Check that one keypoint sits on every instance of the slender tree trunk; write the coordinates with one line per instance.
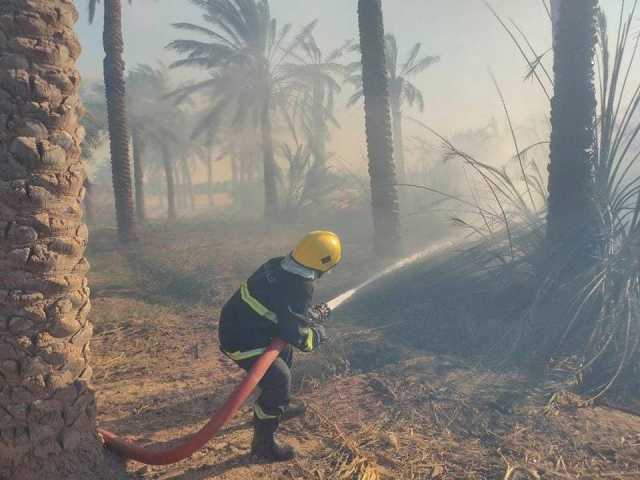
(89, 213)
(171, 186)
(117, 117)
(138, 173)
(47, 407)
(179, 188)
(268, 158)
(235, 171)
(375, 81)
(319, 140)
(572, 213)
(163, 196)
(210, 180)
(398, 139)
(189, 194)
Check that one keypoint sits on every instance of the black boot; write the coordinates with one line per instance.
(294, 411)
(264, 445)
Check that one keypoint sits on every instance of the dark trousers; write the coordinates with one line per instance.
(275, 386)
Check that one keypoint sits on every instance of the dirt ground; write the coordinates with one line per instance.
(377, 407)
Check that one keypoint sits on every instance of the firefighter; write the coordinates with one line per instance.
(276, 301)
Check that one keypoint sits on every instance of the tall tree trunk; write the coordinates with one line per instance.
(117, 119)
(48, 409)
(268, 159)
(210, 180)
(555, 14)
(188, 184)
(171, 186)
(572, 213)
(319, 139)
(163, 195)
(235, 171)
(398, 139)
(375, 82)
(138, 173)
(89, 212)
(179, 188)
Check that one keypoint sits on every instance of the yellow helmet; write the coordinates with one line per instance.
(319, 251)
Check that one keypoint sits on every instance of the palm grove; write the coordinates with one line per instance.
(255, 77)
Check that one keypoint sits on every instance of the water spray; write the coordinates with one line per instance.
(343, 297)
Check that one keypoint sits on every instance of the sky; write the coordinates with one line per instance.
(459, 93)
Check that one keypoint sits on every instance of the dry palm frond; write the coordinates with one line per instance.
(350, 463)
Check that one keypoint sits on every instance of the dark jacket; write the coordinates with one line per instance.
(286, 294)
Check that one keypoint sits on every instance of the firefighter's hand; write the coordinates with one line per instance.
(320, 313)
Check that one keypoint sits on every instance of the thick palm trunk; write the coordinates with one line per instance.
(571, 216)
(375, 82)
(398, 139)
(268, 158)
(171, 185)
(47, 408)
(210, 180)
(117, 117)
(138, 173)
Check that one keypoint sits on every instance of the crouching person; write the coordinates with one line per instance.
(276, 301)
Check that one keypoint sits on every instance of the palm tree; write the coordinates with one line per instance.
(375, 82)
(244, 53)
(117, 116)
(144, 87)
(205, 154)
(316, 104)
(48, 409)
(159, 122)
(138, 171)
(401, 89)
(572, 213)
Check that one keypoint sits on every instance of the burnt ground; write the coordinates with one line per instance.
(380, 403)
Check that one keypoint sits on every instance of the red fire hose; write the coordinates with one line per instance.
(191, 444)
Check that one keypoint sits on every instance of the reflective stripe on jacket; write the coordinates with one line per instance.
(272, 303)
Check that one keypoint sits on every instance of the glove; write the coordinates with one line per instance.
(320, 313)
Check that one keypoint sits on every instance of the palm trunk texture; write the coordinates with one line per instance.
(375, 82)
(398, 143)
(138, 173)
(117, 119)
(571, 216)
(171, 184)
(47, 408)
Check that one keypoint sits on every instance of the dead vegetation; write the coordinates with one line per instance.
(380, 405)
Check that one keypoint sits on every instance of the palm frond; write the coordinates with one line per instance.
(421, 65)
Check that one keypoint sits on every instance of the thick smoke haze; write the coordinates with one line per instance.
(459, 93)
